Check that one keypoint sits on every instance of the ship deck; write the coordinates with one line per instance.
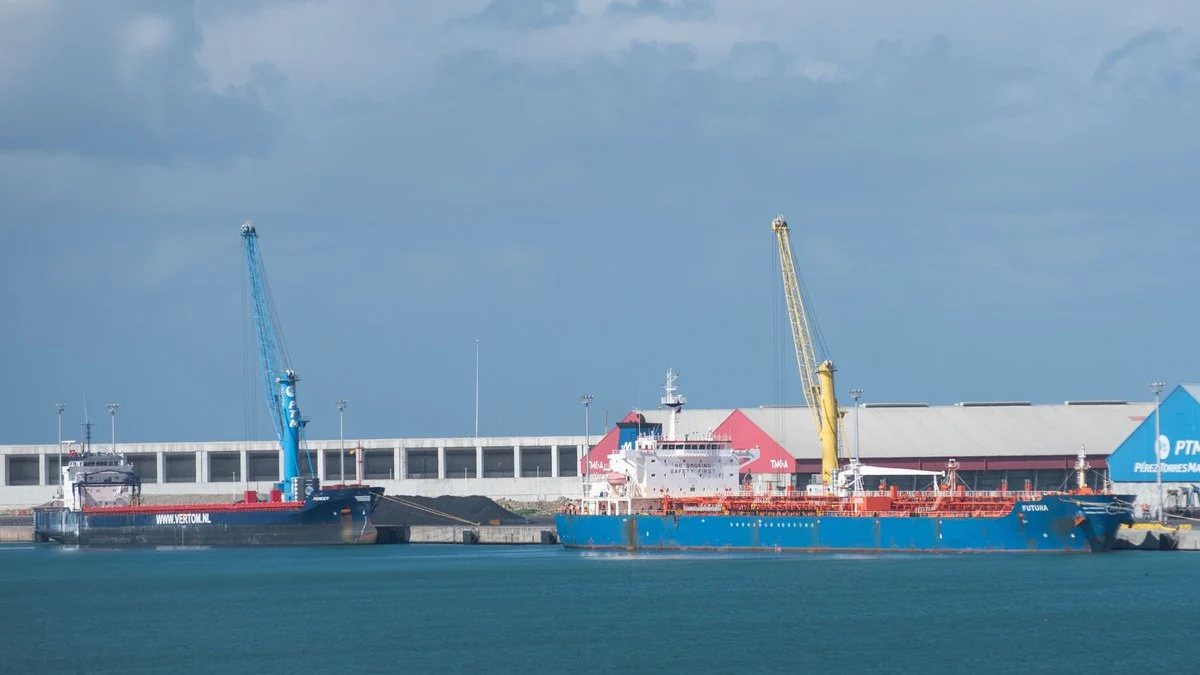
(194, 508)
(868, 504)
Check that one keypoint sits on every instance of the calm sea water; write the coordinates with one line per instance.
(541, 609)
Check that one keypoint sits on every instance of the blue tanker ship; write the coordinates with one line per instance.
(661, 492)
(1051, 523)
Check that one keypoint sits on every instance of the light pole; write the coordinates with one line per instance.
(341, 407)
(856, 394)
(59, 408)
(1157, 388)
(586, 399)
(112, 409)
(476, 387)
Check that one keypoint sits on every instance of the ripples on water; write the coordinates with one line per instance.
(541, 609)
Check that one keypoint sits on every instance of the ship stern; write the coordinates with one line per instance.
(56, 524)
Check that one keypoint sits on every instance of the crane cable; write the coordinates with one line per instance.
(814, 325)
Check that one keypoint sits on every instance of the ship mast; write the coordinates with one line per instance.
(816, 378)
(673, 401)
(1081, 468)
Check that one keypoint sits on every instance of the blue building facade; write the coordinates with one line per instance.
(1178, 444)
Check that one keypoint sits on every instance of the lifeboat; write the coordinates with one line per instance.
(615, 478)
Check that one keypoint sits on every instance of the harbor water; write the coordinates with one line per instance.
(542, 609)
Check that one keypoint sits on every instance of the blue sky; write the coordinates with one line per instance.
(990, 201)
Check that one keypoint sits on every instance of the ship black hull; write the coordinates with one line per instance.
(330, 517)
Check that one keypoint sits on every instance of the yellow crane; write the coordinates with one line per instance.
(816, 379)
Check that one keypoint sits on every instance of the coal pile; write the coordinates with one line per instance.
(406, 510)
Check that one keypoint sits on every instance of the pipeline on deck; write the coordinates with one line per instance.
(880, 503)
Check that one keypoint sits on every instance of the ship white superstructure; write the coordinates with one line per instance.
(656, 466)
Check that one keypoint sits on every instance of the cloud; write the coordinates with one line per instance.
(961, 178)
(122, 82)
(527, 14)
(1155, 74)
(680, 10)
(1113, 57)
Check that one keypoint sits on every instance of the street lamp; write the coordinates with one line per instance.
(341, 406)
(1157, 388)
(856, 394)
(476, 387)
(586, 399)
(112, 409)
(59, 408)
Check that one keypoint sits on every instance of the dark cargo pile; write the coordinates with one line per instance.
(396, 510)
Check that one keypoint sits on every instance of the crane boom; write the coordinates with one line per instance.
(816, 378)
(279, 380)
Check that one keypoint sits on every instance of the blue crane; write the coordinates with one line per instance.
(279, 380)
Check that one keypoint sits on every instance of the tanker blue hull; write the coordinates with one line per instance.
(1083, 523)
(334, 516)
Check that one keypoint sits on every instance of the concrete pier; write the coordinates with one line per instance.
(492, 534)
(16, 533)
(438, 534)
(517, 534)
(1158, 538)
(1188, 540)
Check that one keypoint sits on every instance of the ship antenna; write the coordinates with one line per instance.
(1081, 467)
(87, 429)
(672, 401)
